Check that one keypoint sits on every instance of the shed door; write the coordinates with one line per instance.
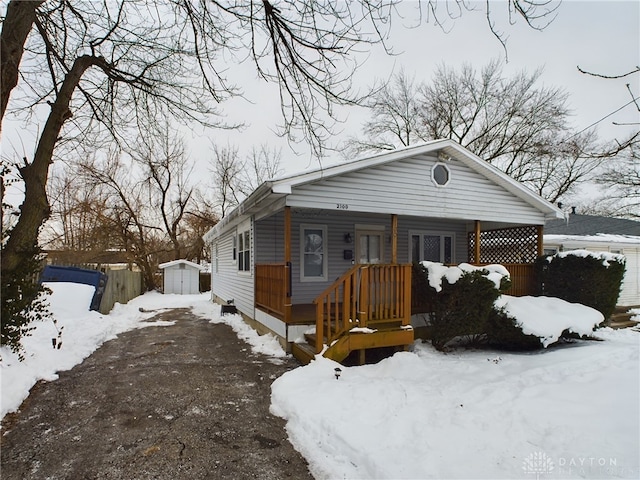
(180, 280)
(369, 246)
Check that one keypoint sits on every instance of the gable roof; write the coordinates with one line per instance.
(272, 190)
(583, 225)
(178, 262)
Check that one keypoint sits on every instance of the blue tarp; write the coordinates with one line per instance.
(55, 273)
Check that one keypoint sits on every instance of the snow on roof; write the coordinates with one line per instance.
(605, 257)
(596, 239)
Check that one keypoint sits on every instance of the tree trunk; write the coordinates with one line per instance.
(35, 208)
(17, 24)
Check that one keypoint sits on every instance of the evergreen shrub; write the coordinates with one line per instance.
(504, 333)
(24, 301)
(589, 278)
(465, 309)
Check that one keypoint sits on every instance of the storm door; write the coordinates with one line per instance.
(370, 246)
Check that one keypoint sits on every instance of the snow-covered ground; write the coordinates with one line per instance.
(563, 412)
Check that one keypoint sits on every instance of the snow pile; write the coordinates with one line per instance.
(437, 271)
(547, 317)
(473, 414)
(419, 414)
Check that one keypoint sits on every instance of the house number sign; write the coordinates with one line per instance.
(342, 206)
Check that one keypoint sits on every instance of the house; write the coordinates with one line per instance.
(332, 249)
(181, 277)
(600, 234)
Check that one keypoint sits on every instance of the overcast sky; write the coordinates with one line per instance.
(599, 36)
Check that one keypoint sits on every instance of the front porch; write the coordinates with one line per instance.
(369, 305)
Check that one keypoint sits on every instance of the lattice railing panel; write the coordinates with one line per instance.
(506, 245)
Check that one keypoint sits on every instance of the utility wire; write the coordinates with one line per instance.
(604, 118)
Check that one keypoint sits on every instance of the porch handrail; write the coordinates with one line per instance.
(272, 287)
(340, 294)
(363, 294)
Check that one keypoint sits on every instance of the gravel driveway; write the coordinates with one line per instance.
(184, 401)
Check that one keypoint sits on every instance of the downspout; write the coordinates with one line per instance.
(287, 261)
(394, 238)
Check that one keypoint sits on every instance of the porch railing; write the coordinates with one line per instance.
(273, 288)
(363, 296)
(523, 279)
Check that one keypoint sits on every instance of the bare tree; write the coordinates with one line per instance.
(622, 183)
(77, 221)
(102, 67)
(166, 171)
(512, 123)
(234, 177)
(128, 57)
(620, 180)
(395, 121)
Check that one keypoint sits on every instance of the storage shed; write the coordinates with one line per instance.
(181, 277)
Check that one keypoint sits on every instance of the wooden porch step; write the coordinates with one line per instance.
(621, 321)
(304, 352)
(340, 350)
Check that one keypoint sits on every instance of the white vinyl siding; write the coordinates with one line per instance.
(405, 187)
(229, 284)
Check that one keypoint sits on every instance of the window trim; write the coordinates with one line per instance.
(433, 174)
(441, 234)
(244, 236)
(234, 248)
(325, 252)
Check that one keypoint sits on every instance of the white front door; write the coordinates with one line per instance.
(369, 246)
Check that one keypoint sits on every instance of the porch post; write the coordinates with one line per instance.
(476, 245)
(287, 261)
(394, 238)
(540, 240)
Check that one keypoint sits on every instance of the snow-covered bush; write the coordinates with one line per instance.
(468, 304)
(580, 276)
(504, 332)
(461, 299)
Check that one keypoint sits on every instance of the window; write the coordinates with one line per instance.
(547, 251)
(313, 250)
(216, 257)
(244, 251)
(234, 248)
(440, 174)
(432, 247)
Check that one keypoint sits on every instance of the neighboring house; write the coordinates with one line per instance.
(333, 248)
(600, 234)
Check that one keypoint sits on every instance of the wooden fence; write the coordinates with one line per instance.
(122, 286)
